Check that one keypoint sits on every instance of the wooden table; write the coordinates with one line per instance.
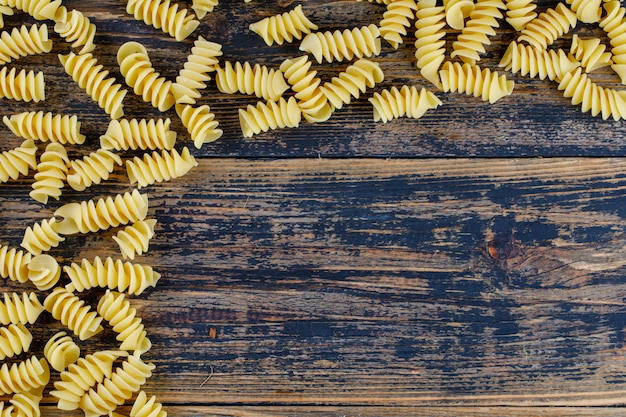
(469, 263)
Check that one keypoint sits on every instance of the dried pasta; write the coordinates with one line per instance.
(14, 339)
(408, 101)
(311, 99)
(44, 271)
(46, 127)
(430, 45)
(135, 239)
(283, 27)
(24, 376)
(520, 12)
(259, 80)
(72, 312)
(16, 309)
(116, 309)
(51, 173)
(200, 123)
(115, 275)
(24, 404)
(144, 407)
(614, 24)
(22, 86)
(194, 74)
(21, 42)
(548, 26)
(164, 15)
(202, 7)
(4, 11)
(76, 28)
(135, 134)
(41, 237)
(457, 11)
(352, 82)
(271, 115)
(14, 264)
(157, 167)
(92, 169)
(338, 46)
(590, 52)
(587, 11)
(533, 62)
(61, 351)
(85, 70)
(396, 20)
(94, 215)
(471, 80)
(18, 161)
(39, 9)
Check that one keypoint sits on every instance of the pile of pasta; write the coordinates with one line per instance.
(287, 94)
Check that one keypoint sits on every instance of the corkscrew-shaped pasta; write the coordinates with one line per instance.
(430, 47)
(18, 161)
(202, 7)
(44, 271)
(114, 391)
(164, 15)
(115, 275)
(4, 11)
(21, 42)
(90, 76)
(590, 52)
(271, 115)
(139, 74)
(614, 24)
(194, 74)
(259, 80)
(135, 239)
(61, 351)
(116, 309)
(457, 11)
(352, 82)
(46, 127)
(475, 35)
(92, 169)
(520, 12)
(593, 97)
(24, 376)
(587, 11)
(15, 310)
(41, 237)
(548, 26)
(39, 9)
(396, 20)
(76, 28)
(95, 215)
(337, 46)
(144, 407)
(533, 62)
(311, 99)
(51, 173)
(24, 404)
(200, 123)
(82, 375)
(14, 264)
(157, 167)
(283, 27)
(471, 80)
(135, 134)
(22, 86)
(408, 101)
(72, 312)
(14, 339)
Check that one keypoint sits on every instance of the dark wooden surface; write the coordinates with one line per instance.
(467, 263)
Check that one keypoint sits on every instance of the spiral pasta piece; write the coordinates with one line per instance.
(548, 26)
(157, 167)
(95, 215)
(200, 123)
(337, 46)
(44, 271)
(61, 351)
(18, 161)
(4, 11)
(41, 237)
(21, 42)
(590, 52)
(51, 173)
(352, 82)
(164, 15)
(430, 47)
(135, 134)
(194, 74)
(457, 11)
(311, 99)
(259, 80)
(135, 239)
(475, 35)
(115, 308)
(72, 312)
(396, 20)
(39, 9)
(202, 7)
(271, 115)
(587, 11)
(471, 80)
(46, 127)
(14, 339)
(614, 24)
(25, 404)
(115, 275)
(90, 76)
(144, 407)
(24, 376)
(76, 28)
(15, 310)
(533, 62)
(92, 169)
(520, 12)
(283, 27)
(408, 101)
(14, 264)
(22, 86)
(82, 375)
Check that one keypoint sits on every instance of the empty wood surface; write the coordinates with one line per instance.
(469, 263)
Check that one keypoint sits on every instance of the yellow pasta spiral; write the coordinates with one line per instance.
(259, 80)
(194, 74)
(338, 45)
(51, 172)
(590, 52)
(44, 271)
(61, 351)
(548, 26)
(24, 376)
(144, 407)
(18, 161)
(4, 11)
(408, 101)
(157, 167)
(85, 70)
(41, 237)
(200, 123)
(14, 339)
(24, 404)
(23, 310)
(396, 19)
(271, 115)
(430, 47)
(135, 134)
(116, 309)
(520, 12)
(23, 41)
(76, 28)
(614, 24)
(46, 127)
(135, 239)
(92, 169)
(95, 215)
(72, 312)
(161, 14)
(534, 62)
(311, 99)
(23, 85)
(587, 11)
(457, 11)
(471, 80)
(115, 275)
(202, 7)
(14, 264)
(352, 82)
(283, 27)
(39, 9)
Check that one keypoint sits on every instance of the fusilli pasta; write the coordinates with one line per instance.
(587, 11)
(408, 101)
(39, 9)
(614, 24)
(164, 15)
(259, 80)
(135, 134)
(41, 237)
(135, 239)
(590, 52)
(51, 173)
(533, 62)
(430, 47)
(194, 74)
(24, 376)
(202, 7)
(4, 11)
(22, 86)
(271, 115)
(14, 339)
(144, 407)
(338, 45)
(16, 309)
(72, 312)
(76, 28)
(14, 264)
(46, 127)
(396, 20)
(157, 167)
(457, 11)
(283, 27)
(61, 351)
(548, 26)
(18, 161)
(92, 169)
(352, 82)
(21, 42)
(471, 80)
(520, 12)
(116, 309)
(311, 99)
(43, 271)
(200, 123)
